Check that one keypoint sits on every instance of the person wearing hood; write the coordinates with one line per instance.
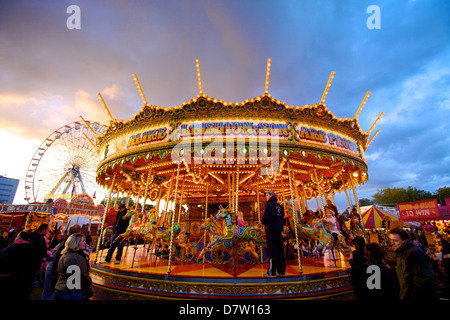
(415, 272)
(273, 220)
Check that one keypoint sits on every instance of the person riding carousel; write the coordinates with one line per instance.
(240, 219)
(331, 223)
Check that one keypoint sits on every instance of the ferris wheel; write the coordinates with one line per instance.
(65, 165)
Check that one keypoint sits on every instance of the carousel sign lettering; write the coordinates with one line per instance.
(137, 139)
(222, 136)
(148, 136)
(264, 130)
(324, 137)
(236, 128)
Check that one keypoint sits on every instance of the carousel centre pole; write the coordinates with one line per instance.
(354, 194)
(295, 219)
(173, 219)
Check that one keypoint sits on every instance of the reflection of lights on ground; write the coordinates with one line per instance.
(334, 259)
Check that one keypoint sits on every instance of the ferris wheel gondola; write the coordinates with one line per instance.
(65, 164)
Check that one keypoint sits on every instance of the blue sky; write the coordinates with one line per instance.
(50, 75)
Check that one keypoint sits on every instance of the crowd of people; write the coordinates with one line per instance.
(58, 261)
(50, 258)
(411, 277)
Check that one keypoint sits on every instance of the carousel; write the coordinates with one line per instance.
(205, 166)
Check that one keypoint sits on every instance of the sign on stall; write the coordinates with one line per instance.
(419, 210)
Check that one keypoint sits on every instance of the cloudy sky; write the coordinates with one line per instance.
(50, 74)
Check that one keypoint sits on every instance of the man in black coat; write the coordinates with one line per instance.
(120, 226)
(18, 268)
(273, 220)
(414, 270)
(37, 239)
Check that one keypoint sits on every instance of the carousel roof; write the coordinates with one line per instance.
(323, 153)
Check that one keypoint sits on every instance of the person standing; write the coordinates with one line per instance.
(51, 273)
(273, 220)
(368, 286)
(73, 262)
(38, 240)
(18, 268)
(357, 257)
(414, 270)
(119, 227)
(446, 265)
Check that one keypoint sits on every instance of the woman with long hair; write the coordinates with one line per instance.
(74, 282)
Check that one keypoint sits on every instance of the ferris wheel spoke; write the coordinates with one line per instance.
(60, 152)
(66, 164)
(89, 178)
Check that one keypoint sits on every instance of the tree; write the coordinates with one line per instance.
(365, 202)
(119, 201)
(441, 194)
(400, 195)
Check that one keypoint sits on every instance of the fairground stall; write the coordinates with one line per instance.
(377, 223)
(432, 218)
(24, 217)
(205, 163)
(81, 206)
(29, 217)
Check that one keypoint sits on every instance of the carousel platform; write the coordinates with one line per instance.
(141, 276)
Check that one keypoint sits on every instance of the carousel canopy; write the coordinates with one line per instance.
(217, 148)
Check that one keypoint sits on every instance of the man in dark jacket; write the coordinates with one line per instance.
(273, 220)
(18, 268)
(119, 227)
(414, 270)
(37, 239)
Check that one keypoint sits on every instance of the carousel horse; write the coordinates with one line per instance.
(320, 233)
(231, 230)
(306, 232)
(356, 227)
(219, 241)
(187, 249)
(136, 220)
(161, 236)
(107, 235)
(215, 231)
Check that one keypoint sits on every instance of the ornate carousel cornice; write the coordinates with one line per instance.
(263, 107)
